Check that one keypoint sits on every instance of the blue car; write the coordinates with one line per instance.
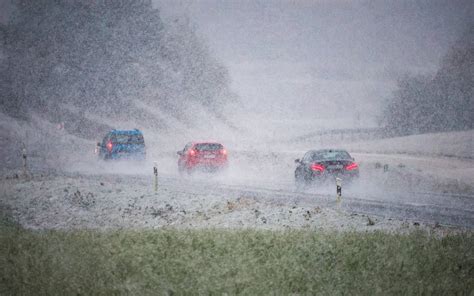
(122, 144)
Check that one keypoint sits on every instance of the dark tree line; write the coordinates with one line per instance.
(100, 56)
(444, 102)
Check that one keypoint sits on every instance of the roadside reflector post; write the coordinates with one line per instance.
(25, 163)
(338, 191)
(155, 172)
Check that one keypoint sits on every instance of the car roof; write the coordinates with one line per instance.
(126, 132)
(328, 150)
(206, 142)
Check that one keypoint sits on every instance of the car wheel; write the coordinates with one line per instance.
(300, 181)
(184, 171)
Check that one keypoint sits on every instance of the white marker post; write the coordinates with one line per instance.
(338, 191)
(155, 172)
(25, 164)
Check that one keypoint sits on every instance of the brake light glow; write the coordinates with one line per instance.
(352, 166)
(192, 152)
(224, 152)
(317, 167)
(109, 146)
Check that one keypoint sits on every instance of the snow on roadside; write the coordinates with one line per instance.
(56, 201)
(84, 193)
(450, 144)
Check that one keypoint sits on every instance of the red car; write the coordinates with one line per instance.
(207, 156)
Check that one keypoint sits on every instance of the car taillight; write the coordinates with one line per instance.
(192, 152)
(109, 146)
(224, 152)
(317, 167)
(352, 166)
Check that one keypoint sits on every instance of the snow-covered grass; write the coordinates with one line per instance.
(247, 262)
(46, 145)
(451, 144)
(128, 201)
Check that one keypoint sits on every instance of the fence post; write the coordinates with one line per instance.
(155, 172)
(25, 163)
(338, 191)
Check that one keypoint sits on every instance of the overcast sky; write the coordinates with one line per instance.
(320, 57)
(327, 54)
(415, 32)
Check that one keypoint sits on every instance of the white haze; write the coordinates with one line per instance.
(296, 67)
(330, 63)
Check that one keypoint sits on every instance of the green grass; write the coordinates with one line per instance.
(219, 261)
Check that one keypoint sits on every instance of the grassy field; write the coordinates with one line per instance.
(235, 262)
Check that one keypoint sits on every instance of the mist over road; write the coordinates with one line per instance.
(256, 186)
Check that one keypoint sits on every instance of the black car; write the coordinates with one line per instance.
(319, 165)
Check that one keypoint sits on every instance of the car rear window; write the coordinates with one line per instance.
(208, 147)
(331, 155)
(128, 139)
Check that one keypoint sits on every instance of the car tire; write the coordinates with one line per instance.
(184, 171)
(300, 181)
